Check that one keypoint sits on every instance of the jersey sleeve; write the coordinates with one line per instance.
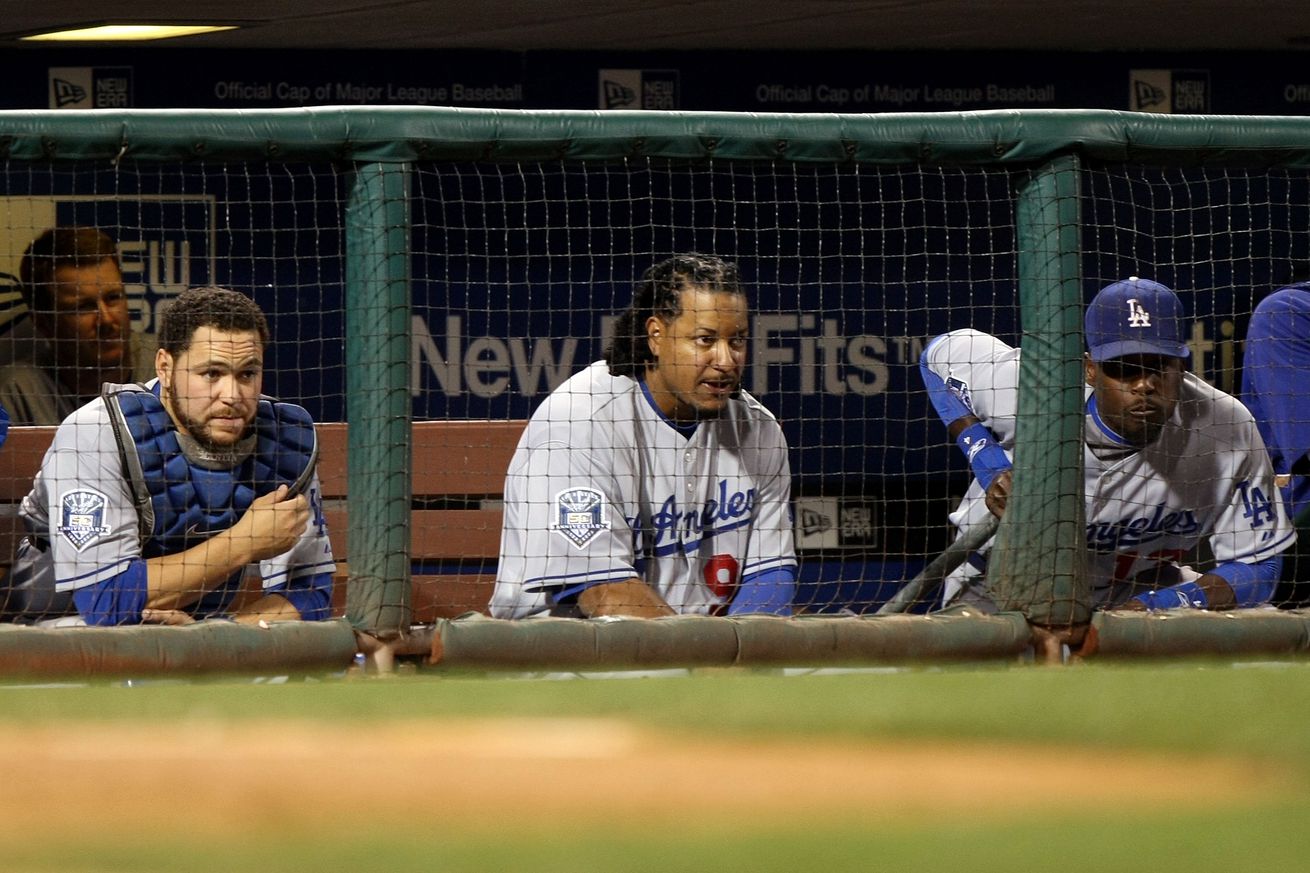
(93, 526)
(303, 574)
(772, 543)
(1252, 526)
(768, 582)
(567, 508)
(971, 372)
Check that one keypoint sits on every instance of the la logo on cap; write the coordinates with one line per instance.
(1137, 316)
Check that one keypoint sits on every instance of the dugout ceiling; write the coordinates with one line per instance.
(641, 25)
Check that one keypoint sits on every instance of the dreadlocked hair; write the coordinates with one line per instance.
(659, 293)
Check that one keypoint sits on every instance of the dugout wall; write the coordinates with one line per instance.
(436, 263)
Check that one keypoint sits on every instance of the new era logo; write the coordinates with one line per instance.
(812, 522)
(618, 95)
(66, 93)
(1147, 94)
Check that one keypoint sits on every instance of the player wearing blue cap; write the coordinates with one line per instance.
(1169, 461)
(1276, 388)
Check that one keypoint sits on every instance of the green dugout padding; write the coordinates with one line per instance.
(218, 648)
(1191, 632)
(478, 643)
(404, 134)
(208, 647)
(377, 397)
(1036, 564)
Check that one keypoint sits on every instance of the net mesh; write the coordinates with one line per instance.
(849, 270)
(519, 271)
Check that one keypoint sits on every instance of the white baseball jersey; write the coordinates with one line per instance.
(1207, 475)
(85, 528)
(603, 488)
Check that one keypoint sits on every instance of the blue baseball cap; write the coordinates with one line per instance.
(1134, 317)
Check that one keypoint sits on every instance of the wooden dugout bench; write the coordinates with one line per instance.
(458, 481)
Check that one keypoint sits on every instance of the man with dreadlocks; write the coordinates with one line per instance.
(650, 483)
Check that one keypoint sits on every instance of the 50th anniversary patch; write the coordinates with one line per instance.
(82, 517)
(580, 514)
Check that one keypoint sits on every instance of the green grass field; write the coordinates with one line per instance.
(1255, 715)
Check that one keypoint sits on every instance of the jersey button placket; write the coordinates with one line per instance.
(689, 475)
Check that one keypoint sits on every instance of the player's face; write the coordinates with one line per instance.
(90, 325)
(212, 388)
(1135, 394)
(699, 356)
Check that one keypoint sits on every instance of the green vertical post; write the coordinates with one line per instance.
(1037, 563)
(377, 398)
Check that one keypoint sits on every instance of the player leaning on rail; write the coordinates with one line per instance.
(650, 484)
(1168, 460)
(154, 500)
(1276, 388)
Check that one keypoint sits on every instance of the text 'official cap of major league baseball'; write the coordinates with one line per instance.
(1135, 317)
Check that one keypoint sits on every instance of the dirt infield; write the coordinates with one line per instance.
(477, 773)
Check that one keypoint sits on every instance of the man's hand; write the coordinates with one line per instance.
(1049, 643)
(1207, 592)
(269, 608)
(166, 616)
(998, 493)
(632, 597)
(273, 523)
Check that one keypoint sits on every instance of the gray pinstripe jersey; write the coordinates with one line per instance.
(1206, 477)
(604, 488)
(81, 505)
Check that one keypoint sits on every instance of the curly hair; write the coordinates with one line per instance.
(659, 294)
(60, 247)
(219, 308)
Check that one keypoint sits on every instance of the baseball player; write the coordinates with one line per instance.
(153, 500)
(1168, 460)
(1276, 388)
(650, 483)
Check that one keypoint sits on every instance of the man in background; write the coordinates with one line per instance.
(1276, 388)
(73, 287)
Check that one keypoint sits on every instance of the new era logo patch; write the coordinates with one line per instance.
(82, 517)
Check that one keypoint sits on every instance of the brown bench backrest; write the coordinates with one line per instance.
(456, 463)
(459, 478)
(459, 473)
(20, 458)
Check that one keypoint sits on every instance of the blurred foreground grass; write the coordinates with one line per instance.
(1258, 712)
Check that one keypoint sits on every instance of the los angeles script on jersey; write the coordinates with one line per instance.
(1110, 536)
(674, 528)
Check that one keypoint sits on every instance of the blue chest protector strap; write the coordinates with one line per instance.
(184, 493)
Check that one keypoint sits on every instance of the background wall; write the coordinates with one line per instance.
(1264, 82)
